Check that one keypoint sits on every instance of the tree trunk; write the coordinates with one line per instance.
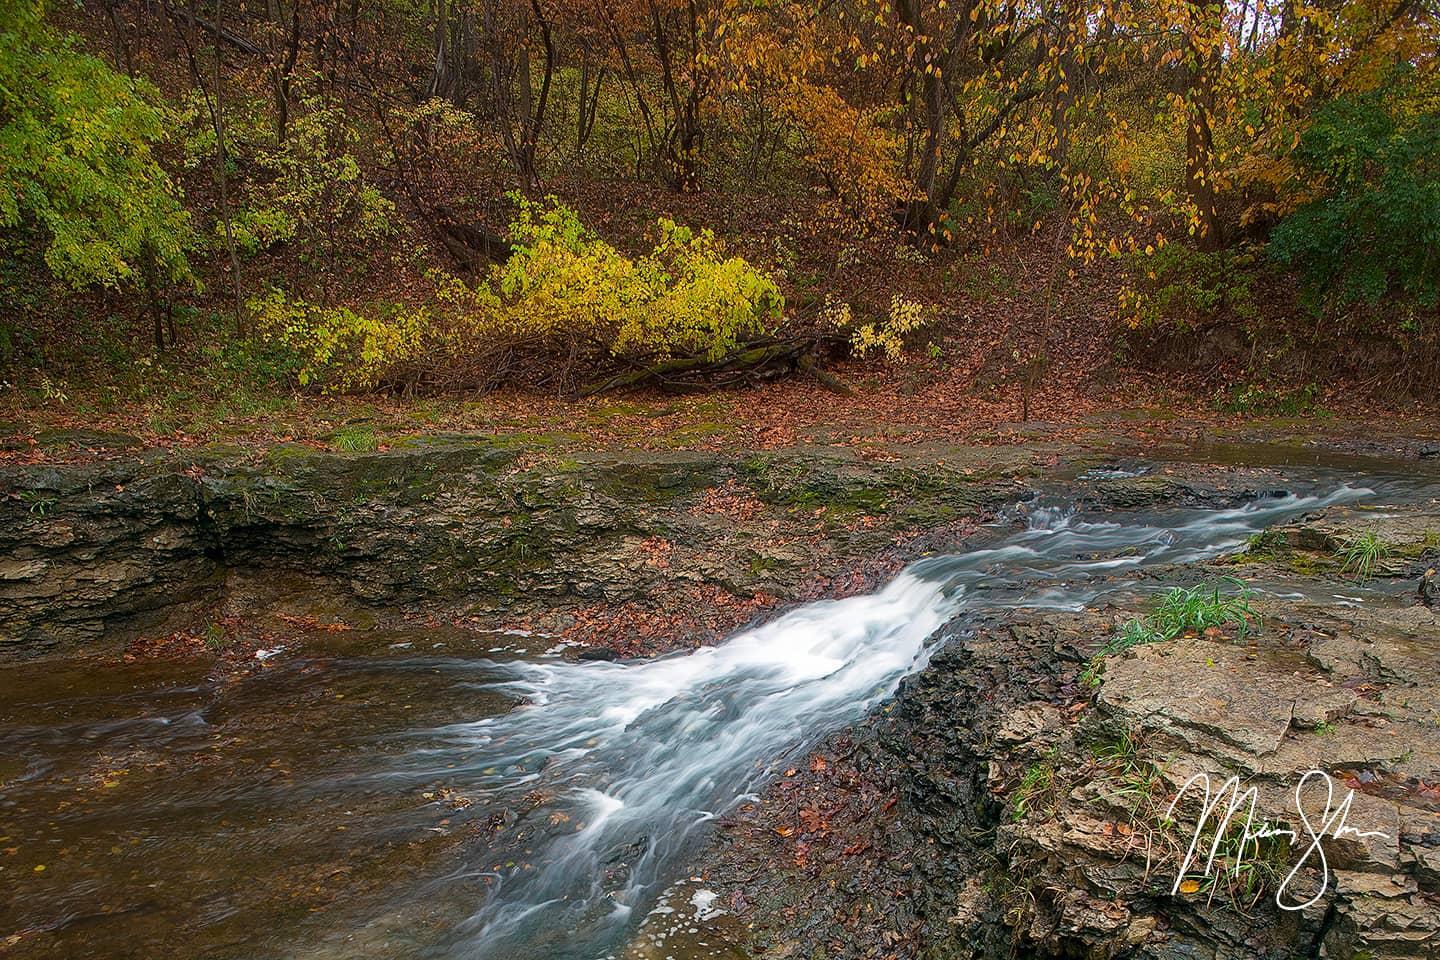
(224, 180)
(923, 207)
(440, 73)
(281, 75)
(120, 46)
(1202, 60)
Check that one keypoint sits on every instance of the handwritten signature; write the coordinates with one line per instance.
(1224, 804)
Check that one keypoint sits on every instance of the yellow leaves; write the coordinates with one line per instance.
(835, 313)
(887, 337)
(685, 297)
(1189, 886)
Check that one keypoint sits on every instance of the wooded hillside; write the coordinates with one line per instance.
(351, 195)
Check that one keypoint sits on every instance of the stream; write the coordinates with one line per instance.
(427, 794)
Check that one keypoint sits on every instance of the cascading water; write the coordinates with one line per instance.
(386, 793)
(634, 759)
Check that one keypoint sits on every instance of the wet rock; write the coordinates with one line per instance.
(1200, 693)
(1140, 930)
(598, 653)
(1038, 825)
(98, 551)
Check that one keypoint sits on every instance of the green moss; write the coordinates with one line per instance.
(1307, 564)
(284, 457)
(760, 564)
(1428, 545)
(1263, 547)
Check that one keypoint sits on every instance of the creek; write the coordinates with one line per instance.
(426, 794)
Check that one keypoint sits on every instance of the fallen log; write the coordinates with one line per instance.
(748, 362)
(472, 244)
(827, 380)
(235, 40)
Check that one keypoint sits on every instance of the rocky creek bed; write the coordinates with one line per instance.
(643, 550)
(1000, 804)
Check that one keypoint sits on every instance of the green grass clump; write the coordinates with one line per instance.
(215, 637)
(1181, 610)
(1199, 608)
(1037, 788)
(355, 440)
(1129, 778)
(1363, 554)
(39, 505)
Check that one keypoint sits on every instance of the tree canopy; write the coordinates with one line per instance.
(316, 133)
(77, 159)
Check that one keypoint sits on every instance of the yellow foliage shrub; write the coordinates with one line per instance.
(685, 298)
(885, 337)
(564, 295)
(338, 350)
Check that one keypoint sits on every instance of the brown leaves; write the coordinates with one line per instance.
(1388, 785)
(812, 822)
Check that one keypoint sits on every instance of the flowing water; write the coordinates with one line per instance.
(431, 796)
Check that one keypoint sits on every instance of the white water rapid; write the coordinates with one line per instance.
(635, 759)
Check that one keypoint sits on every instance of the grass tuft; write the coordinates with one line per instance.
(1181, 610)
(1197, 609)
(355, 439)
(1363, 554)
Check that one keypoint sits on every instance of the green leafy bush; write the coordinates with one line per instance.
(1179, 289)
(76, 160)
(309, 190)
(1374, 228)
